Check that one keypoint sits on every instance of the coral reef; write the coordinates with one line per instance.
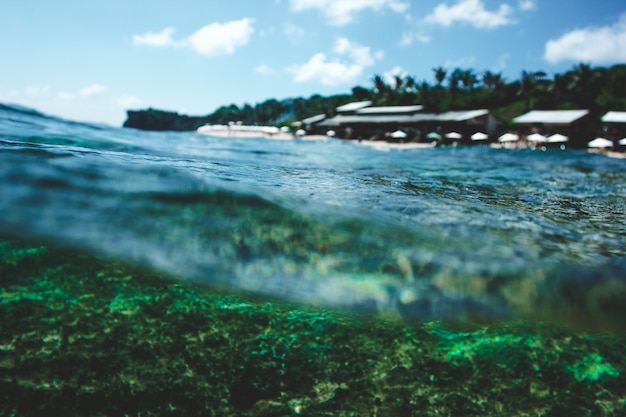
(84, 336)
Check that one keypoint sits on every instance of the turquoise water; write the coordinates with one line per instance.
(465, 233)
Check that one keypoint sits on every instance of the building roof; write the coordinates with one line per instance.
(615, 117)
(460, 116)
(391, 109)
(400, 119)
(380, 119)
(354, 106)
(313, 119)
(551, 116)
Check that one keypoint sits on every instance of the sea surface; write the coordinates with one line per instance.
(461, 233)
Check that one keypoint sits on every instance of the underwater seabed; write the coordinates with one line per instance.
(81, 336)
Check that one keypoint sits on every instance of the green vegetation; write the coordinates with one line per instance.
(598, 89)
(83, 336)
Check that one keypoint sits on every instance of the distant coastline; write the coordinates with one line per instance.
(599, 89)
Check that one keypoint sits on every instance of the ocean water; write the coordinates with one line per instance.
(156, 273)
(461, 233)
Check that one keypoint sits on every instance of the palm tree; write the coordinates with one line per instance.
(468, 78)
(560, 88)
(440, 75)
(528, 85)
(586, 84)
(381, 90)
(453, 81)
(492, 80)
(410, 83)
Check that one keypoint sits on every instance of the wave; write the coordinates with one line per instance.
(457, 232)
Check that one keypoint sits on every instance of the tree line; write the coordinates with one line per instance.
(598, 89)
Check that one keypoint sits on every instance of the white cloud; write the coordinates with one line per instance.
(472, 12)
(37, 90)
(464, 62)
(128, 101)
(73, 105)
(222, 38)
(598, 45)
(341, 12)
(389, 77)
(264, 70)
(211, 40)
(502, 62)
(361, 55)
(526, 5)
(410, 37)
(293, 31)
(92, 90)
(335, 71)
(160, 39)
(326, 72)
(64, 95)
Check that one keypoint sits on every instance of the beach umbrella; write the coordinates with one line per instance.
(558, 138)
(454, 135)
(622, 142)
(300, 132)
(272, 130)
(600, 143)
(479, 136)
(508, 137)
(284, 129)
(330, 133)
(398, 134)
(433, 135)
(536, 137)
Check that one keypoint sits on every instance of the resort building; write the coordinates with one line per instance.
(360, 120)
(614, 125)
(556, 127)
(310, 123)
(353, 107)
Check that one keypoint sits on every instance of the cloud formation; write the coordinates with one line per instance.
(597, 45)
(87, 103)
(341, 12)
(264, 69)
(526, 5)
(222, 38)
(211, 40)
(410, 37)
(160, 39)
(92, 90)
(389, 77)
(335, 71)
(471, 12)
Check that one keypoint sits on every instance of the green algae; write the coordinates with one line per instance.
(89, 337)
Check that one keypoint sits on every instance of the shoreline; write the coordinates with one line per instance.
(378, 144)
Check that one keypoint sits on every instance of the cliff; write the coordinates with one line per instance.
(152, 119)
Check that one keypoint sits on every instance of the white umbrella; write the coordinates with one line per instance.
(272, 130)
(398, 134)
(330, 133)
(536, 137)
(454, 135)
(300, 132)
(479, 136)
(600, 143)
(558, 138)
(622, 142)
(508, 137)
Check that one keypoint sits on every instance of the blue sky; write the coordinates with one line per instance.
(92, 60)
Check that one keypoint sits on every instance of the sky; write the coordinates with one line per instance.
(93, 60)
